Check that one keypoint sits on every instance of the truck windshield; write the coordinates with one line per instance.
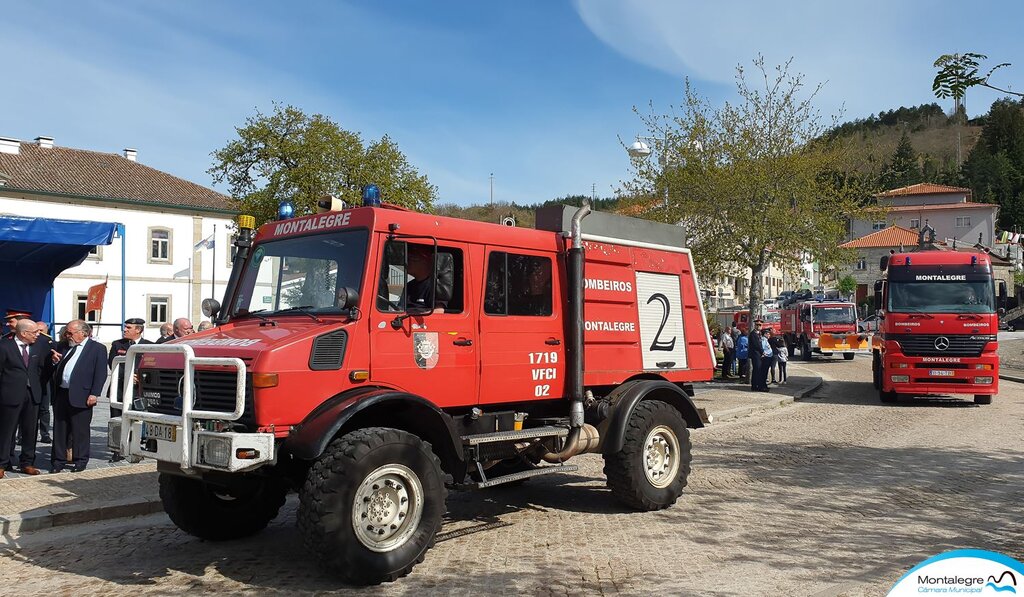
(942, 297)
(835, 314)
(303, 273)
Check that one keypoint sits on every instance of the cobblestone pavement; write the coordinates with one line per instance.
(834, 495)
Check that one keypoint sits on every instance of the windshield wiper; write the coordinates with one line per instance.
(913, 311)
(257, 315)
(301, 309)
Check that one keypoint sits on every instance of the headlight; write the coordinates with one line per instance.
(983, 380)
(114, 434)
(214, 451)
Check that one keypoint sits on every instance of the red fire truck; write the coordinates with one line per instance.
(741, 319)
(825, 327)
(938, 326)
(372, 358)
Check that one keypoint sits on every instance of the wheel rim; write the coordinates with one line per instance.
(387, 508)
(661, 456)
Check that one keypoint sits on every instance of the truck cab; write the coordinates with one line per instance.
(373, 358)
(938, 326)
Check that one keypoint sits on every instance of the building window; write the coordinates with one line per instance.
(159, 308)
(159, 245)
(862, 264)
(877, 225)
(915, 223)
(963, 222)
(79, 308)
(95, 253)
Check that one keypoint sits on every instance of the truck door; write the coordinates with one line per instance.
(522, 348)
(435, 355)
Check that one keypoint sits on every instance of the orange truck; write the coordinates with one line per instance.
(373, 358)
(822, 326)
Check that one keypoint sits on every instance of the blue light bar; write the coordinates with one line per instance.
(974, 260)
(285, 210)
(908, 261)
(371, 196)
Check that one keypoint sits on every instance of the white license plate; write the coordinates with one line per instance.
(159, 431)
(940, 373)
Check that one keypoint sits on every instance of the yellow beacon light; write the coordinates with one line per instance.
(248, 222)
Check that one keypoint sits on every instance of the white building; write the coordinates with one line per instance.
(948, 210)
(164, 218)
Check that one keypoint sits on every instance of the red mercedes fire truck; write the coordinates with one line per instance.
(822, 326)
(372, 358)
(938, 326)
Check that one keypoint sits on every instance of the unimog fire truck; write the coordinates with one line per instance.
(938, 325)
(822, 326)
(372, 358)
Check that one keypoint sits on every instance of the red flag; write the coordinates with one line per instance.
(94, 302)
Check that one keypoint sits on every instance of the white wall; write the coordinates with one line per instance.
(144, 278)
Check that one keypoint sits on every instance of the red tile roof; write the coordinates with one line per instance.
(893, 236)
(963, 205)
(67, 171)
(924, 188)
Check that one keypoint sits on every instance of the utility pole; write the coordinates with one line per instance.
(492, 189)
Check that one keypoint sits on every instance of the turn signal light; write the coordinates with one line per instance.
(985, 367)
(900, 365)
(247, 454)
(359, 375)
(264, 380)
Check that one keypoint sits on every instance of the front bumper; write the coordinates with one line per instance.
(914, 375)
(185, 439)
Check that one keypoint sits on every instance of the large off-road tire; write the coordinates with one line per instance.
(983, 398)
(372, 505)
(650, 471)
(887, 397)
(219, 513)
(848, 356)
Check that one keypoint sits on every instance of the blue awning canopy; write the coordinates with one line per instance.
(34, 251)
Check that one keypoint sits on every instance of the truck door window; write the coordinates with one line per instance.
(518, 285)
(405, 283)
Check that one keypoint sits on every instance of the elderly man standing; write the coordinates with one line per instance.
(728, 346)
(182, 328)
(166, 333)
(22, 366)
(80, 376)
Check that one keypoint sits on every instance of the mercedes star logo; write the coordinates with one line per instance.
(941, 343)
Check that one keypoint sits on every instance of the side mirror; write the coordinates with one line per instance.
(211, 307)
(883, 263)
(878, 283)
(1001, 311)
(346, 298)
(880, 314)
(1002, 289)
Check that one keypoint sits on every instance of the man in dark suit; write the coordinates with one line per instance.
(79, 378)
(13, 316)
(754, 350)
(118, 348)
(48, 344)
(22, 364)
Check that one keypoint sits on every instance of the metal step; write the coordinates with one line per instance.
(514, 436)
(537, 472)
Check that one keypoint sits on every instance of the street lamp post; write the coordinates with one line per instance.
(639, 149)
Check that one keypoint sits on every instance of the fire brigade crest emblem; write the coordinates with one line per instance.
(425, 348)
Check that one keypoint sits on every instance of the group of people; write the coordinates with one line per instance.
(68, 373)
(755, 356)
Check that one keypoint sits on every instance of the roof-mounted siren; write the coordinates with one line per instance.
(330, 203)
(285, 210)
(371, 196)
(509, 220)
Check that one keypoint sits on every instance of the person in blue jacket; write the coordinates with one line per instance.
(742, 354)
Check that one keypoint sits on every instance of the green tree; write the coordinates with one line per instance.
(902, 170)
(754, 182)
(959, 72)
(847, 285)
(289, 155)
(995, 168)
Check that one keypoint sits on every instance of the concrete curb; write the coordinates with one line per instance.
(35, 520)
(1016, 378)
(735, 413)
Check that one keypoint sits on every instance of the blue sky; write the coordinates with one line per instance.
(539, 92)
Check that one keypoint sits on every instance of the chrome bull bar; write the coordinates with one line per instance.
(188, 415)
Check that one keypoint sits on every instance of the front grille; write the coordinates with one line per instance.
(215, 390)
(917, 345)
